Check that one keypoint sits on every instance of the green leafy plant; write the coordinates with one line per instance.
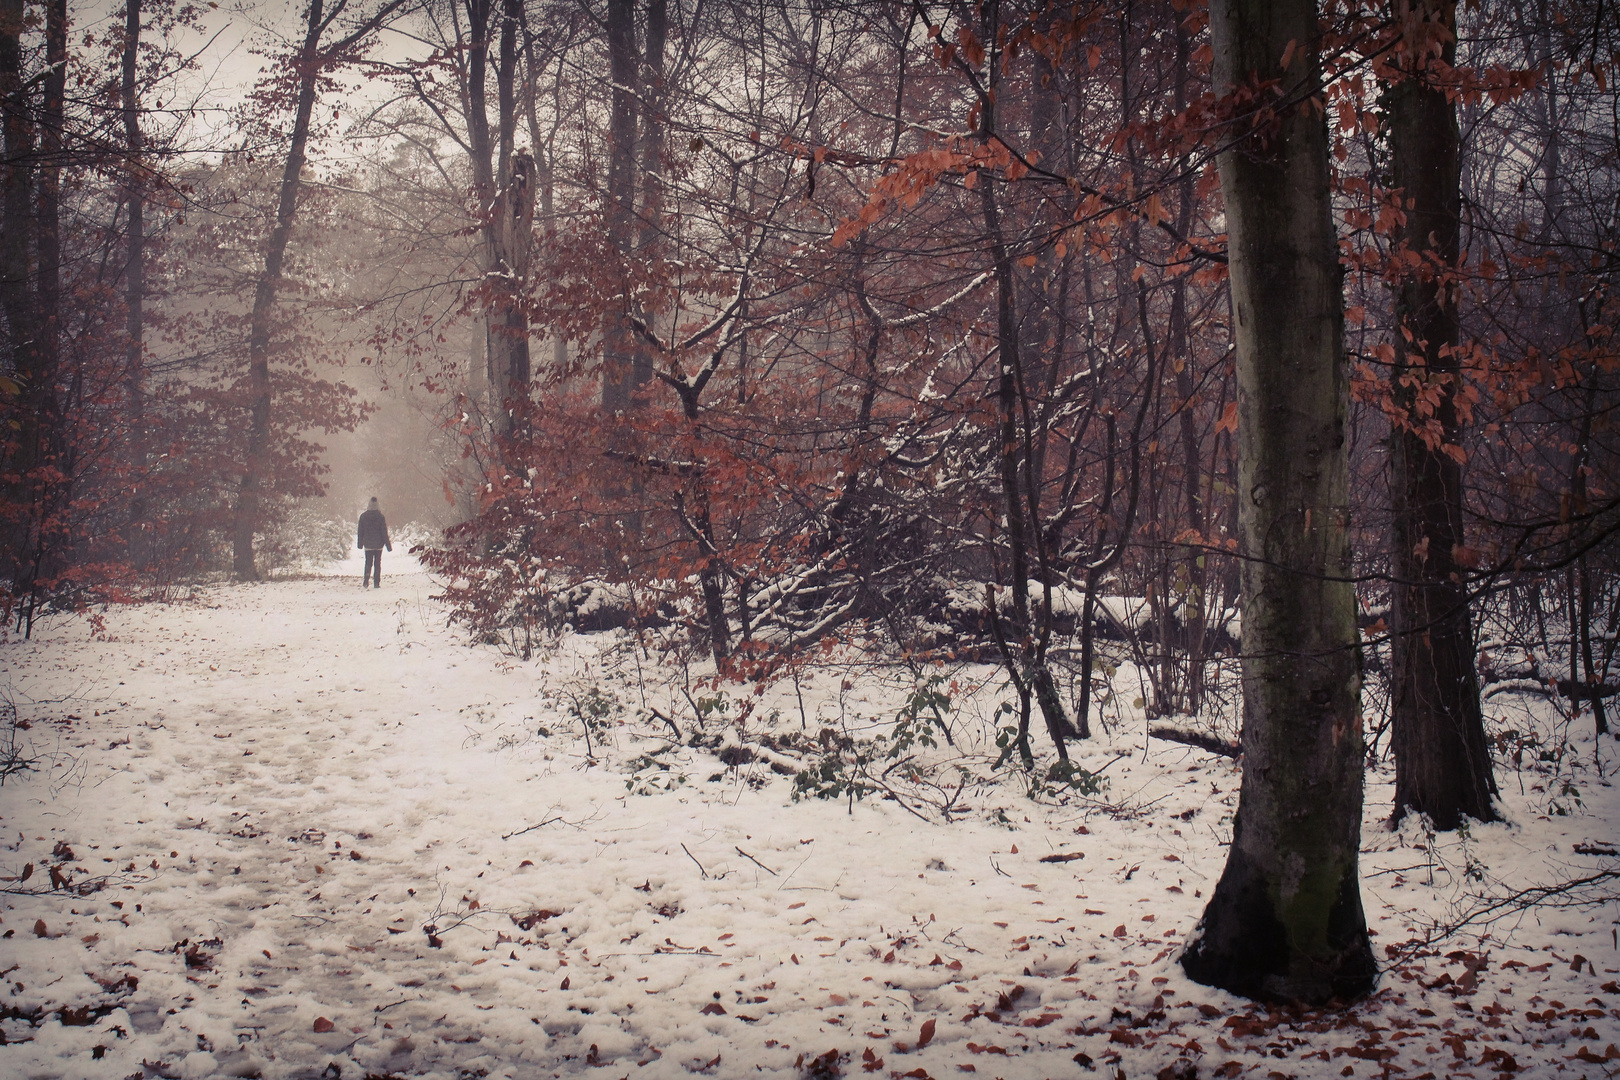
(593, 709)
(888, 762)
(837, 774)
(1060, 778)
(650, 773)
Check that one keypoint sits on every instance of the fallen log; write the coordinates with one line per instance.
(1198, 739)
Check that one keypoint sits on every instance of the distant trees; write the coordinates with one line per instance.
(76, 167)
(114, 354)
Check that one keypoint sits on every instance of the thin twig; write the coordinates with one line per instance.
(756, 862)
(667, 720)
(1563, 894)
(699, 865)
(531, 828)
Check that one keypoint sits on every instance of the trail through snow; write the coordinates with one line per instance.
(299, 829)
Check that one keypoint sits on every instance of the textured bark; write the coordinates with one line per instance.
(1286, 921)
(1442, 763)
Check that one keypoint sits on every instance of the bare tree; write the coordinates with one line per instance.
(310, 61)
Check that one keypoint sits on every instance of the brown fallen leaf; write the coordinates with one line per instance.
(40, 929)
(323, 1025)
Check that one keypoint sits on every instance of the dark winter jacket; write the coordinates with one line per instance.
(373, 531)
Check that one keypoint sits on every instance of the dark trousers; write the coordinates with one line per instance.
(373, 570)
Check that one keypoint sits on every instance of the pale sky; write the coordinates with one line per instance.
(229, 53)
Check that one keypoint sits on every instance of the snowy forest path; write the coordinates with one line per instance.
(297, 733)
(313, 786)
(296, 830)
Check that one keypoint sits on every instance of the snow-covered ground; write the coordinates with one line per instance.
(299, 829)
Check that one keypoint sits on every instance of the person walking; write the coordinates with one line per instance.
(373, 538)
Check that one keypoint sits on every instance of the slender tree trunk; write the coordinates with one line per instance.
(1580, 576)
(136, 544)
(1191, 448)
(1552, 171)
(1442, 763)
(1286, 921)
(1023, 649)
(617, 348)
(16, 236)
(692, 503)
(47, 474)
(256, 470)
(650, 153)
(482, 147)
(508, 238)
(257, 476)
(545, 168)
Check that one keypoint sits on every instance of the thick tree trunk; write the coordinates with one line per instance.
(256, 468)
(15, 181)
(1442, 763)
(1285, 921)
